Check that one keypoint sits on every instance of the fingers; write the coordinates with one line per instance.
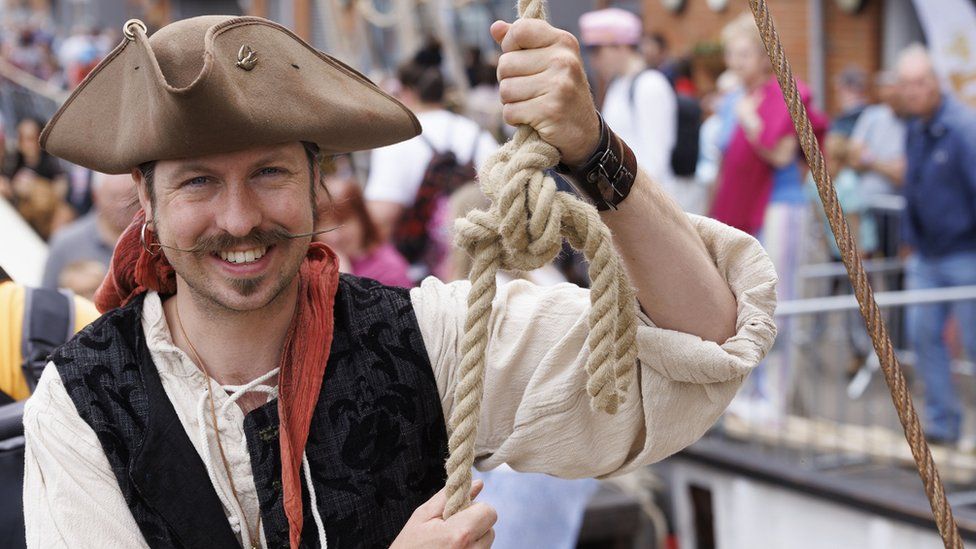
(485, 541)
(434, 507)
(521, 88)
(528, 112)
(523, 63)
(474, 522)
(527, 34)
(476, 487)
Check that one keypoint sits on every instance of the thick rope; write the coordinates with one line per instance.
(900, 391)
(522, 230)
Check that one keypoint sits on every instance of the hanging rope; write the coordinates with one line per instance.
(521, 231)
(900, 392)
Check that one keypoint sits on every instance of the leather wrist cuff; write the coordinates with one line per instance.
(608, 174)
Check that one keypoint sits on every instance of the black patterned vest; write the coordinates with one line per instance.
(376, 447)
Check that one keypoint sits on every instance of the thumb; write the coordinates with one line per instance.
(498, 31)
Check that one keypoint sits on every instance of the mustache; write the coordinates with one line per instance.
(256, 238)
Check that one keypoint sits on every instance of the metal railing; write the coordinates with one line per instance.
(817, 397)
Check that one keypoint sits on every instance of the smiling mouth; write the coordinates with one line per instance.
(242, 257)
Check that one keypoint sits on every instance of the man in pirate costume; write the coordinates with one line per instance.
(238, 391)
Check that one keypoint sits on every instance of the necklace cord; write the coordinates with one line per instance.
(220, 446)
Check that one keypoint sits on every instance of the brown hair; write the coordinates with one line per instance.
(348, 202)
(39, 207)
(426, 81)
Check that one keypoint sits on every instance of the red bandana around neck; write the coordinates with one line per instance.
(134, 271)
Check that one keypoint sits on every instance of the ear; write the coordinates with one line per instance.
(145, 201)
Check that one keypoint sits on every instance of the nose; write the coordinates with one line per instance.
(239, 210)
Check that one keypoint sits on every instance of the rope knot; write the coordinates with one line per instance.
(523, 230)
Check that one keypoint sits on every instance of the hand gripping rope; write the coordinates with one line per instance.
(523, 230)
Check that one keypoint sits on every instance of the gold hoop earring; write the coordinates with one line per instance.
(145, 241)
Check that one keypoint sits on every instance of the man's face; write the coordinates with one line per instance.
(653, 54)
(230, 205)
(920, 92)
(610, 61)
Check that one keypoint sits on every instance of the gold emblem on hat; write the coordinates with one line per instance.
(247, 57)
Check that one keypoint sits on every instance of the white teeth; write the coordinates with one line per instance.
(246, 256)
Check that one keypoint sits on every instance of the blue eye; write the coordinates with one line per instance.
(197, 181)
(269, 171)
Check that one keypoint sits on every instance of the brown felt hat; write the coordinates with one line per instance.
(218, 84)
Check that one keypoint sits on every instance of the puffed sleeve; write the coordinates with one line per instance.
(71, 496)
(536, 414)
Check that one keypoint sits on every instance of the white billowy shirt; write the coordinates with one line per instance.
(397, 170)
(536, 414)
(642, 109)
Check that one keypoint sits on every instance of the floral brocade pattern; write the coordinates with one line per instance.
(378, 440)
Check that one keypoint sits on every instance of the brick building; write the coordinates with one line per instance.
(821, 37)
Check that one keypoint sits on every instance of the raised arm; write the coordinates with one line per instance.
(543, 84)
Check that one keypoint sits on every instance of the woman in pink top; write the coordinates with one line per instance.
(356, 240)
(762, 152)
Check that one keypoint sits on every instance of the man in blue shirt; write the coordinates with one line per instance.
(939, 229)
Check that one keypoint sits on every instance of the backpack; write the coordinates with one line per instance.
(48, 323)
(444, 175)
(684, 156)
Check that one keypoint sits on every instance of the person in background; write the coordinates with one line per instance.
(654, 48)
(760, 191)
(640, 104)
(13, 384)
(850, 193)
(79, 53)
(39, 205)
(35, 183)
(878, 153)
(483, 104)
(356, 239)
(93, 237)
(83, 277)
(81, 182)
(761, 165)
(684, 79)
(716, 129)
(410, 182)
(851, 87)
(29, 158)
(939, 230)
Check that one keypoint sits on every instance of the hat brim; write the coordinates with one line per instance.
(125, 112)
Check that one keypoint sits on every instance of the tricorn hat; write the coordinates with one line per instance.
(216, 84)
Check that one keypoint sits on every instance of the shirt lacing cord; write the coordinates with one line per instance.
(236, 519)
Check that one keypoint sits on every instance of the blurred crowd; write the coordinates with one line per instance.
(710, 127)
(79, 213)
(32, 44)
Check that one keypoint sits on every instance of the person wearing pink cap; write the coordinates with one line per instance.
(640, 104)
